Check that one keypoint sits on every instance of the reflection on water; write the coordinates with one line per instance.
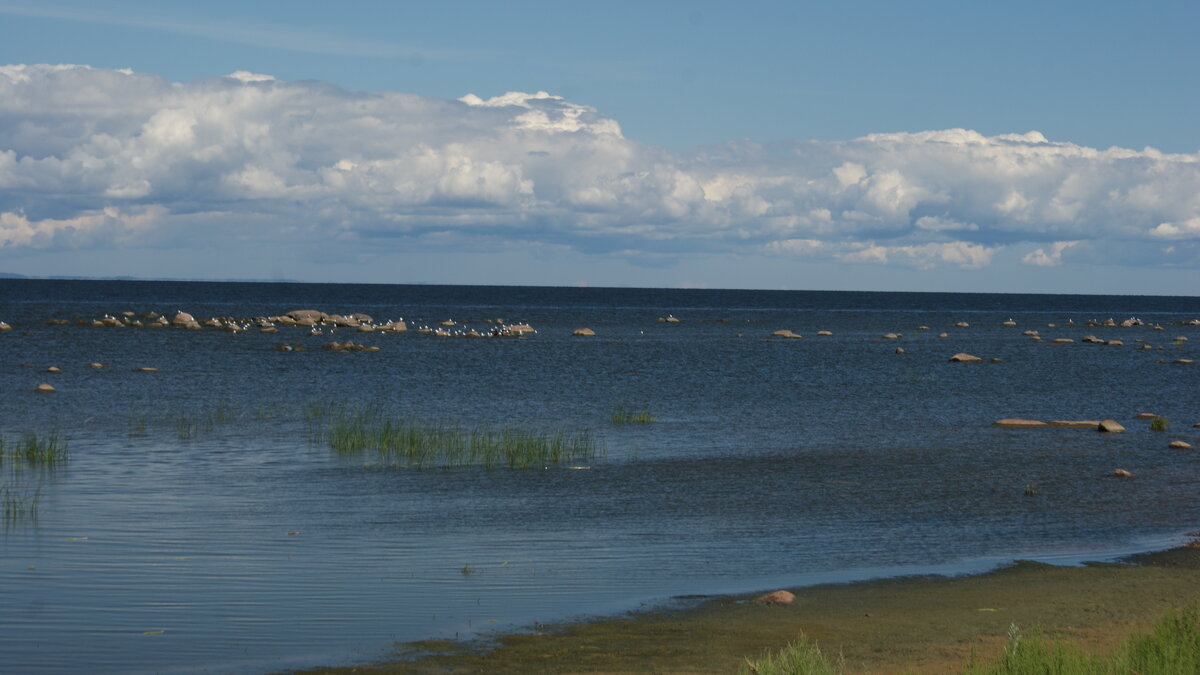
(201, 525)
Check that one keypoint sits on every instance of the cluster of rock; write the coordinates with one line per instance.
(349, 346)
(315, 320)
(500, 331)
(1104, 426)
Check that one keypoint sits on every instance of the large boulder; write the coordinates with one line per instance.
(182, 319)
(892, 336)
(1180, 445)
(4, 326)
(583, 332)
(519, 329)
(963, 357)
(1109, 427)
(44, 389)
(313, 314)
(785, 333)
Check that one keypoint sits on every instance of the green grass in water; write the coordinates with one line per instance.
(187, 424)
(445, 444)
(1159, 424)
(18, 505)
(623, 415)
(1171, 647)
(48, 450)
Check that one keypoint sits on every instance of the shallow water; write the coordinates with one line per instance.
(163, 544)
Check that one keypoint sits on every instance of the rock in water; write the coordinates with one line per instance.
(963, 357)
(1075, 424)
(583, 332)
(1017, 422)
(1110, 427)
(44, 389)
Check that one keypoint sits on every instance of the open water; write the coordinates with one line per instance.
(163, 545)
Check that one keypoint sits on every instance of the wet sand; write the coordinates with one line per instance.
(923, 624)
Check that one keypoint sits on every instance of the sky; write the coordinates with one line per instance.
(927, 146)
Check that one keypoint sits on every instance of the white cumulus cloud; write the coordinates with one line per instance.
(1048, 258)
(93, 157)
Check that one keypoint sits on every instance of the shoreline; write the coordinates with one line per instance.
(927, 622)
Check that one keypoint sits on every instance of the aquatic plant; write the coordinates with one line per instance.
(446, 444)
(801, 657)
(1159, 424)
(31, 450)
(186, 424)
(19, 505)
(622, 415)
(1031, 489)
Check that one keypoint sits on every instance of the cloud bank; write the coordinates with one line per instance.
(94, 158)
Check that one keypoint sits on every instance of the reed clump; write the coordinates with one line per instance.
(48, 450)
(186, 424)
(1159, 424)
(24, 460)
(19, 505)
(446, 444)
(624, 415)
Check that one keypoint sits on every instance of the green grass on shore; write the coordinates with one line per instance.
(799, 657)
(1171, 647)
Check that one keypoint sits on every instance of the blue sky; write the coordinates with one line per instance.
(868, 145)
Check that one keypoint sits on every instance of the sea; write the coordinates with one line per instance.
(202, 523)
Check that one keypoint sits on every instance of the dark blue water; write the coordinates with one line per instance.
(163, 545)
